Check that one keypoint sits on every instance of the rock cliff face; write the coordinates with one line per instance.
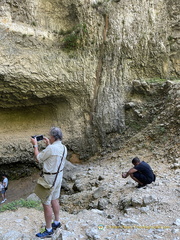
(72, 63)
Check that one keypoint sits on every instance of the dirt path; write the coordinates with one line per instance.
(21, 188)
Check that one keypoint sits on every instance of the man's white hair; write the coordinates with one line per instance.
(56, 133)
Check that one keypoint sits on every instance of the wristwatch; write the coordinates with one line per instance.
(35, 146)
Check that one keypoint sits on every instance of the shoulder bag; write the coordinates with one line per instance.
(44, 189)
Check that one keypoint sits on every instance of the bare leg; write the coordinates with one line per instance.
(56, 208)
(135, 179)
(3, 196)
(48, 215)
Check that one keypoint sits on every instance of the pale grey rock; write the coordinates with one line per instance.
(136, 201)
(93, 204)
(127, 222)
(100, 192)
(26, 218)
(100, 212)
(175, 230)
(177, 222)
(124, 203)
(70, 226)
(102, 203)
(144, 209)
(128, 211)
(70, 171)
(66, 235)
(92, 234)
(78, 186)
(130, 105)
(149, 199)
(33, 197)
(155, 236)
(80, 237)
(18, 220)
(13, 235)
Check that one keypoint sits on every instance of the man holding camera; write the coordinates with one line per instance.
(51, 158)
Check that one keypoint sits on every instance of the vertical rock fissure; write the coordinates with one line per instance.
(99, 66)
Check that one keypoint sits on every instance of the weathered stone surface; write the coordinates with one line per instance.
(144, 209)
(148, 199)
(124, 203)
(136, 201)
(102, 203)
(92, 234)
(12, 234)
(127, 222)
(100, 192)
(66, 235)
(177, 222)
(83, 91)
(70, 171)
(33, 197)
(78, 186)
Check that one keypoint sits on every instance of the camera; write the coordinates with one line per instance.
(38, 137)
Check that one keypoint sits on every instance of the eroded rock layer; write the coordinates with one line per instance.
(73, 64)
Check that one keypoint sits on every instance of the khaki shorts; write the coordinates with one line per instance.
(55, 194)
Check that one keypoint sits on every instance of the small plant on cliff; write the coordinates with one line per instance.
(20, 203)
(75, 38)
(34, 24)
(155, 80)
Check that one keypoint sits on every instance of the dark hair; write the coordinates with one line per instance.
(56, 133)
(4, 175)
(135, 160)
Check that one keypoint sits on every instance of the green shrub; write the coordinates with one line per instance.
(34, 24)
(156, 80)
(74, 38)
(21, 203)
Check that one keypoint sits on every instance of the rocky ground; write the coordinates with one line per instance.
(97, 203)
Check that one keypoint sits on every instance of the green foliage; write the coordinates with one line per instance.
(134, 125)
(74, 38)
(34, 24)
(156, 80)
(170, 38)
(20, 203)
(70, 41)
(160, 129)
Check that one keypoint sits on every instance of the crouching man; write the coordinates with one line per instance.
(141, 173)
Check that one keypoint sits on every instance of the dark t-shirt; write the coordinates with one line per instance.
(146, 170)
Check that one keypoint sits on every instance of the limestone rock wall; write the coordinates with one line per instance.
(83, 90)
